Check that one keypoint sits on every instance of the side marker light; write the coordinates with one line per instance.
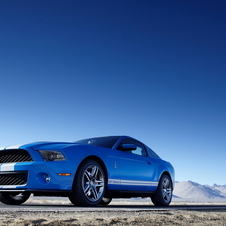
(64, 174)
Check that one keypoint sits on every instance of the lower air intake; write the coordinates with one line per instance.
(15, 178)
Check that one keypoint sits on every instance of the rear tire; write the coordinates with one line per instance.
(14, 198)
(89, 185)
(163, 195)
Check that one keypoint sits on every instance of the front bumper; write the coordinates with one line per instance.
(34, 176)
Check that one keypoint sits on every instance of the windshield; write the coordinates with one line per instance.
(106, 142)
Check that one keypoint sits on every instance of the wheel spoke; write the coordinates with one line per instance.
(17, 196)
(87, 189)
(95, 193)
(167, 194)
(99, 183)
(165, 183)
(94, 172)
(87, 175)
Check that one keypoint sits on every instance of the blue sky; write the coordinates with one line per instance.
(153, 70)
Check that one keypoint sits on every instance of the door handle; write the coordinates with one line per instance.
(149, 163)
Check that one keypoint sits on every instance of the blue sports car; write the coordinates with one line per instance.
(89, 172)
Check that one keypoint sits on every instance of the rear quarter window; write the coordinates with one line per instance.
(151, 153)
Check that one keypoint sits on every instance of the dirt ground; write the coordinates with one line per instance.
(141, 217)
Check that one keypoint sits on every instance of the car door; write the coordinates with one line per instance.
(136, 169)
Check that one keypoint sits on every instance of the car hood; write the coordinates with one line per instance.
(43, 145)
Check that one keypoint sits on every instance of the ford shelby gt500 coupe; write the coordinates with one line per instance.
(89, 172)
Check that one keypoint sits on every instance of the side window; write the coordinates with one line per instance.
(140, 150)
(152, 153)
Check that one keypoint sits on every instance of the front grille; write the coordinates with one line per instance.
(13, 178)
(17, 155)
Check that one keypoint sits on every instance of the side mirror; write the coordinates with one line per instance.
(129, 147)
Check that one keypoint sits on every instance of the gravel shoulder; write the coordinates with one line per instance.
(166, 217)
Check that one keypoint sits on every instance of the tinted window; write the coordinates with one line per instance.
(140, 147)
(106, 142)
(152, 153)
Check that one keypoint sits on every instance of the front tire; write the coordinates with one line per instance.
(14, 198)
(105, 201)
(163, 195)
(89, 184)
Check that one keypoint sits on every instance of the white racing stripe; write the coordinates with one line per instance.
(113, 181)
(132, 183)
(7, 187)
(7, 167)
(14, 146)
(136, 183)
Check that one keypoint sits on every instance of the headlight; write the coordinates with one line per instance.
(51, 155)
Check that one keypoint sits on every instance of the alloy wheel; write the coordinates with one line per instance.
(93, 183)
(166, 189)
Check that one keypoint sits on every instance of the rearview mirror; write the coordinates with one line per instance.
(129, 147)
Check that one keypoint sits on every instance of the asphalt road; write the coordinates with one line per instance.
(114, 208)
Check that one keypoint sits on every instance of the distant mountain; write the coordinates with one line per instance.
(191, 191)
(221, 188)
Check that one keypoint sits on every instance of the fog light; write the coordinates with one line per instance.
(47, 178)
(43, 178)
